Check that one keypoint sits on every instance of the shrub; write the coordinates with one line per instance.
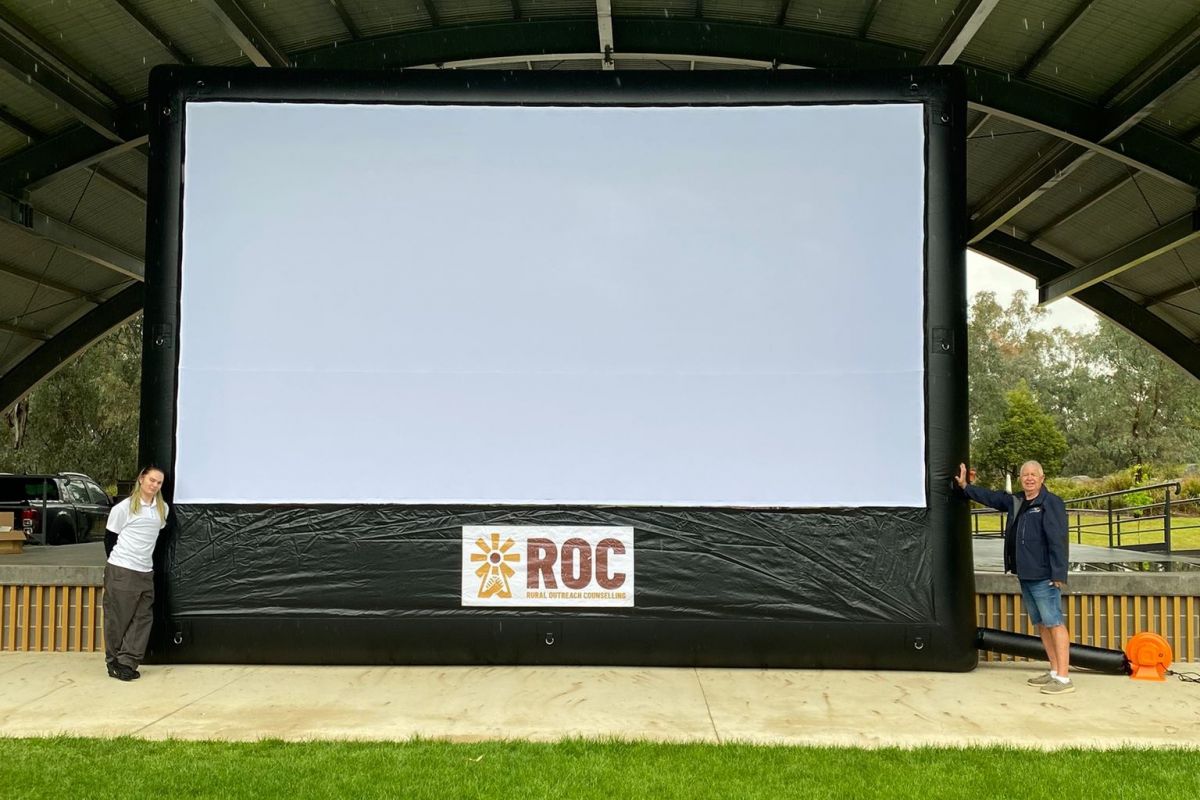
(1190, 487)
(1140, 499)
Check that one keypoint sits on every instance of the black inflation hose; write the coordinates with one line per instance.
(1085, 656)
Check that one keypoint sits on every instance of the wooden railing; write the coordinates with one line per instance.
(71, 619)
(1103, 620)
(51, 618)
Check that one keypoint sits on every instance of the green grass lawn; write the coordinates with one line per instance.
(1093, 529)
(131, 768)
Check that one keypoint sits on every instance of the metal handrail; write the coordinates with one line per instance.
(1113, 518)
(1177, 484)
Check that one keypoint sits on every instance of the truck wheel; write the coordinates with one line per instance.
(61, 533)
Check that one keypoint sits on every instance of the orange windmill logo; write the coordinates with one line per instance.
(494, 572)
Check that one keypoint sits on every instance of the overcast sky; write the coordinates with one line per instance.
(986, 275)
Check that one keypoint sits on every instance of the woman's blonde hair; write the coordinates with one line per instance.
(135, 498)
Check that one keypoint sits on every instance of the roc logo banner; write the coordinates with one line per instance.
(520, 565)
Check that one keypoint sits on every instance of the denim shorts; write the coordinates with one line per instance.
(1043, 603)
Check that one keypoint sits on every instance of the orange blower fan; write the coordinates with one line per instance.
(1149, 657)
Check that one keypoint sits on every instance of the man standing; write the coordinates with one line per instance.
(1035, 549)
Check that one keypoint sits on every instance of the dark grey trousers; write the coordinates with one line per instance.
(128, 614)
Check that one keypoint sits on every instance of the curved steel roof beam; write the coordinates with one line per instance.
(991, 91)
(457, 43)
(1125, 106)
(1102, 298)
(997, 93)
(69, 342)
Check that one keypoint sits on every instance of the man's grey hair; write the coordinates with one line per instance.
(1032, 463)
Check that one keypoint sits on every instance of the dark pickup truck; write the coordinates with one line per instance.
(64, 508)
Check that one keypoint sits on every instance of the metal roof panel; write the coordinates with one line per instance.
(11, 141)
(1122, 218)
(464, 11)
(13, 349)
(22, 100)
(997, 152)
(818, 15)
(1181, 314)
(536, 9)
(1179, 113)
(1111, 40)
(1086, 182)
(46, 261)
(292, 25)
(912, 23)
(381, 17)
(33, 307)
(131, 167)
(761, 11)
(1164, 273)
(651, 8)
(569, 64)
(192, 29)
(103, 38)
(1014, 32)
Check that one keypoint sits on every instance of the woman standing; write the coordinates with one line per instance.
(129, 574)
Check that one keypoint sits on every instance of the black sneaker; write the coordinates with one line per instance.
(133, 672)
(122, 672)
(113, 668)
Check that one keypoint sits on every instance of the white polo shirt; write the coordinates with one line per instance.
(136, 535)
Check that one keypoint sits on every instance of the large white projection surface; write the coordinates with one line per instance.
(636, 306)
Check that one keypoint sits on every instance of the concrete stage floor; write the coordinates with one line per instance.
(70, 693)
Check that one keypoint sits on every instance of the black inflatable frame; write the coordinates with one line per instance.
(831, 588)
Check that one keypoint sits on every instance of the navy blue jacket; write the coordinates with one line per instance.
(1038, 539)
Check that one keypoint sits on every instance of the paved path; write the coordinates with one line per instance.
(69, 693)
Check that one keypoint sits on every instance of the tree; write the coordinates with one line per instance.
(1137, 407)
(1025, 433)
(1006, 346)
(1117, 401)
(84, 418)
